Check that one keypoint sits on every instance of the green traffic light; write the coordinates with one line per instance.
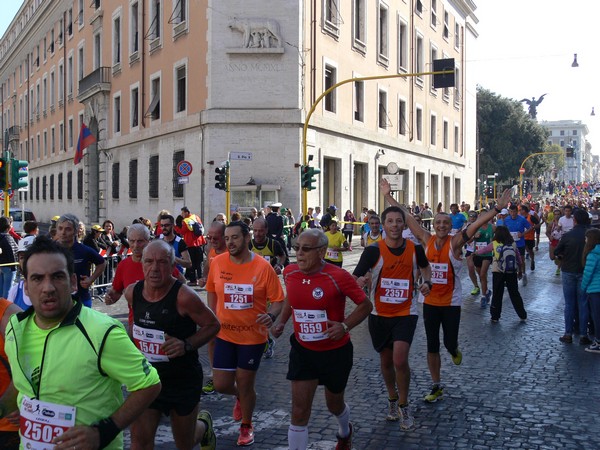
(19, 174)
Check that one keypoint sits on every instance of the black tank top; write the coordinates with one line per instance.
(163, 315)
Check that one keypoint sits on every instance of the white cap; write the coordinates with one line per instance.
(504, 212)
(276, 205)
(24, 243)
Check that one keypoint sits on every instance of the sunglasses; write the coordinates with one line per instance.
(304, 248)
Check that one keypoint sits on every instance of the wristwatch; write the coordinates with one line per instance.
(345, 327)
(187, 347)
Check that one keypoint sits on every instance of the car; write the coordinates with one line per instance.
(17, 215)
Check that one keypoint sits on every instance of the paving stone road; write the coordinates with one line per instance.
(517, 387)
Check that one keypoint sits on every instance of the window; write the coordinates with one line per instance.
(44, 187)
(562, 143)
(52, 187)
(117, 114)
(45, 143)
(51, 42)
(116, 41)
(433, 55)
(155, 23)
(433, 130)
(39, 147)
(445, 135)
(135, 104)
(402, 117)
(574, 132)
(574, 143)
(456, 137)
(81, 64)
(154, 108)
(562, 132)
(179, 12)
(133, 167)
(178, 156)
(456, 35)
(45, 49)
(382, 35)
(180, 89)
(359, 101)
(61, 78)
(70, 76)
(69, 185)
(45, 95)
(60, 186)
(331, 17)
(419, 124)
(134, 32)
(419, 7)
(330, 80)
(359, 25)
(457, 84)
(80, 184)
(61, 136)
(97, 51)
(70, 131)
(37, 188)
(433, 13)
(80, 13)
(382, 109)
(420, 59)
(402, 46)
(115, 180)
(153, 177)
(70, 22)
(52, 140)
(446, 32)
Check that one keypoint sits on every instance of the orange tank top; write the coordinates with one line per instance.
(442, 273)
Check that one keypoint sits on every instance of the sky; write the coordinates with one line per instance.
(525, 49)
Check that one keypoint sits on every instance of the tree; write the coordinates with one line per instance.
(508, 135)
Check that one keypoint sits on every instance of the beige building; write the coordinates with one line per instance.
(159, 82)
(572, 134)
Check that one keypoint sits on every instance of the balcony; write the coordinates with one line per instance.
(96, 82)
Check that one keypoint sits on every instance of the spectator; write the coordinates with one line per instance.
(8, 250)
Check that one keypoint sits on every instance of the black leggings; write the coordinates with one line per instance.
(449, 319)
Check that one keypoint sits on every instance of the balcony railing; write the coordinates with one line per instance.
(97, 81)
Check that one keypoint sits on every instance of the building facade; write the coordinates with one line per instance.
(160, 82)
(572, 134)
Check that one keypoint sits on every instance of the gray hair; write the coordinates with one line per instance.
(138, 228)
(166, 247)
(322, 240)
(72, 219)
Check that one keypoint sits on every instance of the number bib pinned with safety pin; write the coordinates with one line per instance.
(150, 343)
(394, 290)
(439, 273)
(310, 324)
(43, 421)
(239, 296)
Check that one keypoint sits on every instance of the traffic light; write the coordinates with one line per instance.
(570, 152)
(3, 173)
(307, 174)
(444, 80)
(19, 174)
(222, 177)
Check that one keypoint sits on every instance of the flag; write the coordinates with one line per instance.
(86, 138)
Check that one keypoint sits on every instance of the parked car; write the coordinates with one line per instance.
(17, 215)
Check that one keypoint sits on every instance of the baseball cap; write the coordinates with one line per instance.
(55, 219)
(332, 207)
(276, 205)
(97, 228)
(24, 243)
(504, 211)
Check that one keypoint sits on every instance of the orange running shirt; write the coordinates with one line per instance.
(243, 291)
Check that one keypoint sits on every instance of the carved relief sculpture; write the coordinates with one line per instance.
(258, 33)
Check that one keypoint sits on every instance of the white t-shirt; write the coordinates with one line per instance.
(565, 224)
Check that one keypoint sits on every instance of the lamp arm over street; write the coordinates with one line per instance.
(523, 164)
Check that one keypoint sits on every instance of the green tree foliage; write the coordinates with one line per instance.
(507, 136)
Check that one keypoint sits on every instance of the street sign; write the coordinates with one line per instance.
(11, 194)
(241, 156)
(396, 181)
(183, 180)
(184, 169)
(522, 170)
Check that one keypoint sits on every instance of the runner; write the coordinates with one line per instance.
(239, 286)
(373, 231)
(389, 267)
(321, 352)
(443, 304)
(482, 261)
(529, 236)
(469, 251)
(337, 244)
(517, 225)
(170, 323)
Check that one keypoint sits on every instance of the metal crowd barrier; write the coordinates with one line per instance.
(104, 281)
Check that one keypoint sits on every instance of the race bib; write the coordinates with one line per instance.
(150, 342)
(470, 247)
(310, 324)
(439, 273)
(480, 245)
(515, 235)
(394, 290)
(453, 231)
(332, 254)
(239, 296)
(42, 421)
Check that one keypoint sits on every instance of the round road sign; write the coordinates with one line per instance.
(522, 170)
(184, 168)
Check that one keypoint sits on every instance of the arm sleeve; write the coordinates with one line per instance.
(182, 246)
(367, 260)
(422, 260)
(274, 290)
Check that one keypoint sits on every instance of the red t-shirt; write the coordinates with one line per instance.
(317, 298)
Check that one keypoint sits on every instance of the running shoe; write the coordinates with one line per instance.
(237, 410)
(532, 265)
(209, 387)
(567, 339)
(393, 414)
(246, 436)
(557, 273)
(437, 393)
(269, 348)
(457, 359)
(594, 348)
(406, 419)
(209, 440)
(344, 443)
(475, 290)
(485, 300)
(524, 279)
